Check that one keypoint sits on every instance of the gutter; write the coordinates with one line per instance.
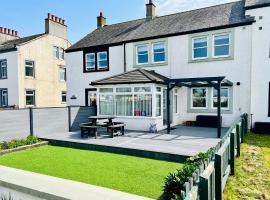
(8, 50)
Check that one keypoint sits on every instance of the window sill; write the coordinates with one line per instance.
(93, 71)
(223, 111)
(211, 59)
(152, 65)
(29, 77)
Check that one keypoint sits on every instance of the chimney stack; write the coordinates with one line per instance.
(7, 34)
(150, 10)
(101, 21)
(55, 26)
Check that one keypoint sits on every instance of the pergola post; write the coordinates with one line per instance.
(219, 109)
(168, 109)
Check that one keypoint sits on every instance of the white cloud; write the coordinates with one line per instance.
(165, 7)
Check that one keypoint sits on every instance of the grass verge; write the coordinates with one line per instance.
(252, 179)
(130, 174)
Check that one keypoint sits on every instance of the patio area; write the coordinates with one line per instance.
(182, 142)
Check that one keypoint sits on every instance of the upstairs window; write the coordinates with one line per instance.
(102, 60)
(222, 45)
(3, 97)
(90, 59)
(58, 53)
(62, 73)
(3, 69)
(30, 69)
(199, 98)
(96, 60)
(64, 97)
(159, 53)
(142, 55)
(199, 48)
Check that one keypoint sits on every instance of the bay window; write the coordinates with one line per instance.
(224, 93)
(143, 105)
(3, 69)
(221, 45)
(199, 97)
(124, 104)
(159, 52)
(106, 101)
(158, 105)
(200, 48)
(142, 55)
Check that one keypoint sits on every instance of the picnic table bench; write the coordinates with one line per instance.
(88, 129)
(117, 129)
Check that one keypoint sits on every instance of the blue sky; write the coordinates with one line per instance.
(27, 16)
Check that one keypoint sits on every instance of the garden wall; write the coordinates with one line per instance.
(15, 124)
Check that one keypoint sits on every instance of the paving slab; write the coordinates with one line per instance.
(52, 188)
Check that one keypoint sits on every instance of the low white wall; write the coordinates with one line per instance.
(16, 195)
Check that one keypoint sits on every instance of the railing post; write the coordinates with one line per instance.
(204, 188)
(69, 118)
(31, 121)
(218, 177)
(232, 154)
(243, 128)
(238, 139)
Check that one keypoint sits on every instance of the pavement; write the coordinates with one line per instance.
(52, 188)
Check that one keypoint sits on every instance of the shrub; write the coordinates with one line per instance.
(174, 182)
(17, 143)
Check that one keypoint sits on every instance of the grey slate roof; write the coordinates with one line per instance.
(9, 45)
(180, 23)
(133, 77)
(256, 3)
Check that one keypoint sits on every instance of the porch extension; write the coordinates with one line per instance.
(183, 142)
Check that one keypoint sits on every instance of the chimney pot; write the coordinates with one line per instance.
(16, 33)
(49, 15)
(63, 21)
(56, 19)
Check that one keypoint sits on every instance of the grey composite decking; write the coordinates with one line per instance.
(183, 141)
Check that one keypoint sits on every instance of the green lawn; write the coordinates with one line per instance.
(252, 179)
(130, 174)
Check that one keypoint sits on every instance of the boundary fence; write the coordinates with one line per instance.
(209, 180)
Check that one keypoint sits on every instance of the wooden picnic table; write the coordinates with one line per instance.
(94, 119)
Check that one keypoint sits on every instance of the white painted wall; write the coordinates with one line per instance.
(77, 81)
(260, 64)
(11, 83)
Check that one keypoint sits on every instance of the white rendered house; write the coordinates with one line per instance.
(229, 40)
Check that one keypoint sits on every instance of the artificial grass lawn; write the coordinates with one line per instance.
(130, 174)
(252, 179)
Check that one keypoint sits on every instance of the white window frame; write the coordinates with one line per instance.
(137, 54)
(213, 45)
(192, 43)
(153, 52)
(175, 95)
(1, 68)
(87, 68)
(33, 66)
(34, 95)
(63, 93)
(56, 52)
(99, 60)
(212, 99)
(61, 53)
(60, 68)
(206, 98)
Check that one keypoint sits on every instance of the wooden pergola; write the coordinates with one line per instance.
(215, 82)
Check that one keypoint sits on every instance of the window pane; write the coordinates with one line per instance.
(142, 49)
(124, 105)
(30, 98)
(62, 74)
(102, 56)
(159, 57)
(3, 69)
(200, 53)
(102, 60)
(103, 64)
(200, 42)
(143, 105)
(200, 92)
(64, 97)
(29, 71)
(224, 94)
(123, 89)
(143, 59)
(106, 90)
(106, 104)
(158, 105)
(142, 54)
(222, 39)
(158, 89)
(222, 50)
(90, 61)
(199, 102)
(142, 89)
(199, 97)
(4, 98)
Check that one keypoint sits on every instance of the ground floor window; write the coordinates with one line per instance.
(106, 104)
(158, 105)
(64, 97)
(123, 105)
(3, 97)
(269, 101)
(30, 99)
(224, 93)
(143, 105)
(199, 97)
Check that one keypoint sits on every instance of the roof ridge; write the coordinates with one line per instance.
(18, 39)
(146, 73)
